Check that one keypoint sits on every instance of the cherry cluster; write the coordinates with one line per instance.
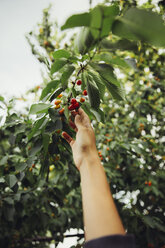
(74, 104)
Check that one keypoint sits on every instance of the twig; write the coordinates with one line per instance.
(49, 239)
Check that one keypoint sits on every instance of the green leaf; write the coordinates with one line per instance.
(36, 148)
(74, 92)
(61, 53)
(37, 125)
(107, 58)
(99, 114)
(102, 18)
(95, 33)
(74, 59)
(91, 112)
(4, 160)
(122, 44)
(86, 107)
(159, 224)
(93, 93)
(83, 77)
(106, 72)
(66, 112)
(132, 63)
(109, 79)
(154, 222)
(97, 79)
(58, 64)
(53, 114)
(20, 175)
(2, 98)
(140, 24)
(49, 87)
(96, 21)
(12, 139)
(116, 91)
(9, 200)
(56, 93)
(58, 124)
(84, 40)
(20, 166)
(136, 149)
(39, 108)
(55, 117)
(45, 141)
(96, 17)
(50, 127)
(2, 180)
(149, 221)
(106, 27)
(77, 21)
(17, 197)
(109, 13)
(11, 180)
(68, 70)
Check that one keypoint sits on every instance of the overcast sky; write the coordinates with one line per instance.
(19, 70)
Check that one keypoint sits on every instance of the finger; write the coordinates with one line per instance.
(67, 138)
(82, 119)
(82, 113)
(74, 113)
(71, 123)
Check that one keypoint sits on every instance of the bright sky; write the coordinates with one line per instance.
(19, 69)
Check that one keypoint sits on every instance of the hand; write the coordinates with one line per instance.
(85, 142)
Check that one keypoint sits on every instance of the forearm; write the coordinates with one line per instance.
(100, 214)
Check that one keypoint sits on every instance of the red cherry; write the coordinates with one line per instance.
(79, 82)
(76, 105)
(73, 101)
(71, 107)
(85, 93)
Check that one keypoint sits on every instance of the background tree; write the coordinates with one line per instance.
(114, 68)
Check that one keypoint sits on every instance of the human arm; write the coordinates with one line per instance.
(100, 214)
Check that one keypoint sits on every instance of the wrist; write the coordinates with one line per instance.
(91, 158)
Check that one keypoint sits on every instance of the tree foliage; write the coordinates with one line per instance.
(118, 56)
